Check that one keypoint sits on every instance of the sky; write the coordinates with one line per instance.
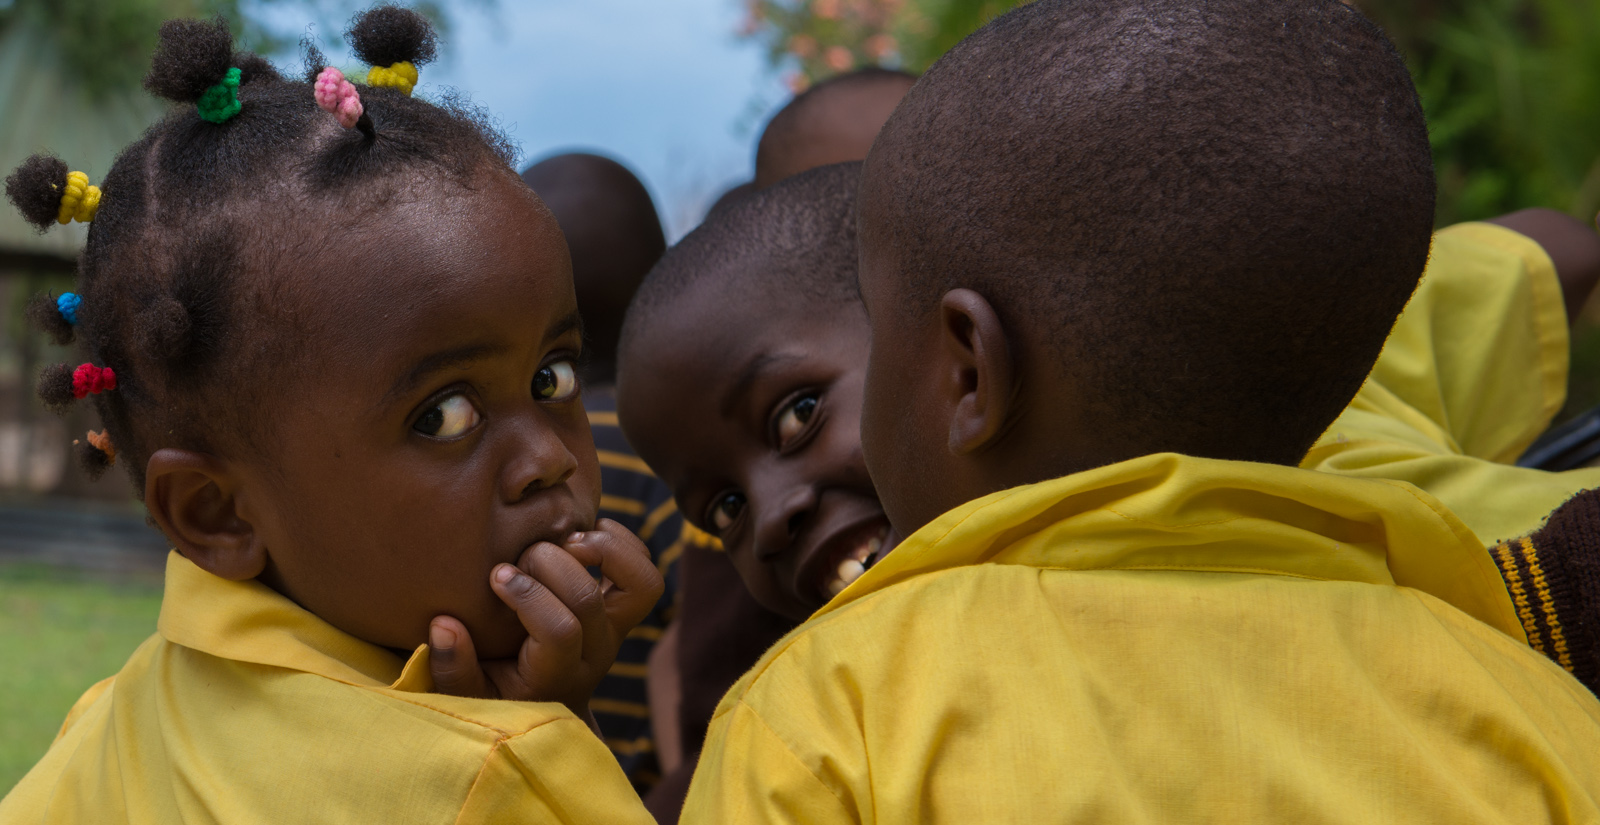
(664, 86)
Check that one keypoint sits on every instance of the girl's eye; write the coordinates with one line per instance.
(725, 511)
(556, 382)
(794, 417)
(448, 418)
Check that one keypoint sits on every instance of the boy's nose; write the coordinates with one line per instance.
(778, 525)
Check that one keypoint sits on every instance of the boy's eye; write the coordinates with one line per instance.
(448, 418)
(794, 417)
(725, 511)
(556, 382)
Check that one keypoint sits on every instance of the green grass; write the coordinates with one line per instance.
(58, 636)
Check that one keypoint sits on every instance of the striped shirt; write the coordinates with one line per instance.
(632, 495)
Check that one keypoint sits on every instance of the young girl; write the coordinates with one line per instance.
(332, 340)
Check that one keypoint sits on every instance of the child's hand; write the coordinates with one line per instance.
(575, 625)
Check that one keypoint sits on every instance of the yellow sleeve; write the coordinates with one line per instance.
(88, 698)
(747, 774)
(1496, 501)
(557, 772)
(1481, 350)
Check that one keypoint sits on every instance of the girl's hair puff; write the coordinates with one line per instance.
(388, 35)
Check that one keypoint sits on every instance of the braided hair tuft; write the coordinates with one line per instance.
(35, 189)
(45, 313)
(387, 35)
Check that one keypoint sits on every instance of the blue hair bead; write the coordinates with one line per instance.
(67, 305)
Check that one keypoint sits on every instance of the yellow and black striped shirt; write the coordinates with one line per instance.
(634, 497)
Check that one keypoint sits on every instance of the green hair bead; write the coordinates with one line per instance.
(221, 101)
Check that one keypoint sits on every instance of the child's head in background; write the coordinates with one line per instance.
(1095, 231)
(832, 122)
(740, 384)
(343, 344)
(614, 237)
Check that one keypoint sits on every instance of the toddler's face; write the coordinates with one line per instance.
(435, 428)
(753, 419)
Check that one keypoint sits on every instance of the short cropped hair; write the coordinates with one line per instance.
(786, 248)
(1208, 213)
(823, 111)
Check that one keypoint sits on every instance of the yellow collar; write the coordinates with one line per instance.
(1174, 512)
(250, 622)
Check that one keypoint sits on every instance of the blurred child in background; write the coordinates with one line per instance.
(614, 236)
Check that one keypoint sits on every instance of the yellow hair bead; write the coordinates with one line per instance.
(80, 201)
(402, 76)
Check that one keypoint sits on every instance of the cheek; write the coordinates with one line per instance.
(579, 441)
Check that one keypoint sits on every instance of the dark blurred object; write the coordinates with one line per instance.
(107, 540)
(1567, 446)
(722, 632)
(614, 235)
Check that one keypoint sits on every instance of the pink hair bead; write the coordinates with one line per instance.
(338, 97)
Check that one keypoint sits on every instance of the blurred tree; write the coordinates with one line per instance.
(107, 43)
(1510, 86)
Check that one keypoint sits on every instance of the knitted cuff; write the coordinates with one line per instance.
(1553, 576)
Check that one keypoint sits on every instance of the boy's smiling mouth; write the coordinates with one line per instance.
(845, 556)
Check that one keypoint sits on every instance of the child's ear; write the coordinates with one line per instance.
(193, 497)
(981, 373)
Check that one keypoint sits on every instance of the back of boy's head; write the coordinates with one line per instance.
(831, 122)
(182, 283)
(614, 235)
(787, 249)
(1206, 216)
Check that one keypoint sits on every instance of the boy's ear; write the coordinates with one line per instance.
(192, 496)
(981, 373)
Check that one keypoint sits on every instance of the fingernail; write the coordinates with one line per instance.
(575, 537)
(504, 573)
(441, 637)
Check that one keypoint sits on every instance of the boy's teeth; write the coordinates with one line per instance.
(866, 551)
(849, 570)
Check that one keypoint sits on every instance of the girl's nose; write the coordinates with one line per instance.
(540, 459)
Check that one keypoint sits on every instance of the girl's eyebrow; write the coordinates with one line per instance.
(437, 362)
(432, 363)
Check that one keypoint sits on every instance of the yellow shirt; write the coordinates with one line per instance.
(1168, 639)
(244, 708)
(1473, 372)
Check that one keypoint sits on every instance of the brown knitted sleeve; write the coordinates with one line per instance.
(1553, 576)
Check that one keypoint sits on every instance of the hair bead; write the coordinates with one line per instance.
(101, 441)
(338, 97)
(401, 75)
(68, 305)
(89, 379)
(79, 200)
(221, 102)
(98, 454)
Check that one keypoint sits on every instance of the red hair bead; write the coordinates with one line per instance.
(89, 379)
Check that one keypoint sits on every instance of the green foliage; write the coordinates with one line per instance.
(1511, 87)
(110, 43)
(58, 636)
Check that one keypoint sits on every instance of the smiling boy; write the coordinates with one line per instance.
(1087, 390)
